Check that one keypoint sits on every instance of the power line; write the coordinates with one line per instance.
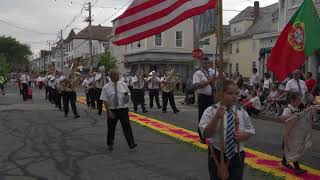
(24, 28)
(116, 12)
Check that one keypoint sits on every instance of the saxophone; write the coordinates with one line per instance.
(170, 82)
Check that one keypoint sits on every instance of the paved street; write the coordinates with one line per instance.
(37, 142)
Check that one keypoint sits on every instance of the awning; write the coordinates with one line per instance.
(264, 51)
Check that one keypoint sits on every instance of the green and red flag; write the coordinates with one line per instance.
(299, 39)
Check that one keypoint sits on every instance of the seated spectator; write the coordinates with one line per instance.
(272, 99)
(252, 103)
(243, 92)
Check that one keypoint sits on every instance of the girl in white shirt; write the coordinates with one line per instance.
(253, 104)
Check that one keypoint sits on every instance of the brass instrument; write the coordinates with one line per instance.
(170, 82)
(72, 80)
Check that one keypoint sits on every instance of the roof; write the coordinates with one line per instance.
(247, 13)
(263, 24)
(100, 33)
(71, 36)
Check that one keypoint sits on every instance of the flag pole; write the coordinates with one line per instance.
(223, 169)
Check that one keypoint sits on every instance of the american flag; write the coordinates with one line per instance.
(145, 18)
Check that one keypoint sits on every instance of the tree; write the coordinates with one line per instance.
(4, 66)
(16, 53)
(107, 61)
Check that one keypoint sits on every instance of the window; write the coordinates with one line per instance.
(71, 45)
(230, 68)
(158, 40)
(230, 48)
(179, 39)
(237, 67)
(237, 49)
(254, 64)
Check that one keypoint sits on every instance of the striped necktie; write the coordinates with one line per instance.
(230, 143)
(116, 98)
(299, 88)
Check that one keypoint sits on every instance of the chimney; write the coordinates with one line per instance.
(256, 9)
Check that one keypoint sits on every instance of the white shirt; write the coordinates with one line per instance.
(24, 78)
(256, 102)
(200, 76)
(290, 110)
(108, 94)
(126, 79)
(40, 79)
(86, 83)
(245, 125)
(99, 80)
(292, 85)
(267, 83)
(153, 82)
(255, 79)
(244, 93)
(137, 83)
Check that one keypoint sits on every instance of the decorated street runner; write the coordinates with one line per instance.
(255, 159)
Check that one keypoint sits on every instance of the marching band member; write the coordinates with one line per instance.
(168, 84)
(69, 94)
(138, 91)
(99, 83)
(203, 81)
(116, 98)
(237, 129)
(154, 86)
(86, 85)
(91, 90)
(59, 88)
(24, 79)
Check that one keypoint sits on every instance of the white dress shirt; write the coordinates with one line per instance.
(86, 83)
(245, 125)
(24, 78)
(153, 82)
(126, 79)
(108, 94)
(200, 76)
(137, 83)
(267, 83)
(255, 79)
(292, 85)
(99, 80)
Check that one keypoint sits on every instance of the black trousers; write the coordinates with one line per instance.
(138, 98)
(168, 96)
(123, 116)
(72, 98)
(88, 99)
(47, 91)
(131, 92)
(51, 95)
(54, 96)
(58, 100)
(97, 92)
(92, 97)
(204, 101)
(154, 94)
(235, 168)
(24, 91)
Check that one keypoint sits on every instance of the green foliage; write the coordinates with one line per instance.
(4, 66)
(16, 54)
(107, 61)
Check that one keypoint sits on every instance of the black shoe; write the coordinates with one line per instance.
(176, 111)
(151, 107)
(99, 113)
(300, 171)
(133, 146)
(287, 165)
(144, 111)
(76, 116)
(159, 107)
(164, 111)
(110, 148)
(65, 115)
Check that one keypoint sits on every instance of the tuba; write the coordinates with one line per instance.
(73, 78)
(170, 82)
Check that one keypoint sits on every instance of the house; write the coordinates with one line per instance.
(241, 50)
(170, 49)
(77, 45)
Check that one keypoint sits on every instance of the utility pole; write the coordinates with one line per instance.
(90, 37)
(61, 51)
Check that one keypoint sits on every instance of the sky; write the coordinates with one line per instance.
(38, 22)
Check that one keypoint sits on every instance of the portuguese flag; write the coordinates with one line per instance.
(299, 39)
